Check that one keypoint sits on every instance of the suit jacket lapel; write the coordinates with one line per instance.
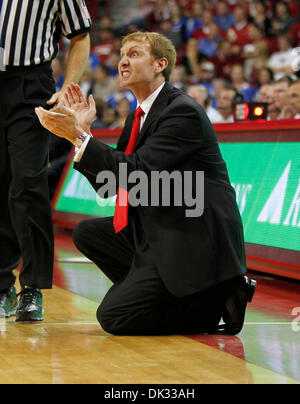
(125, 135)
(156, 109)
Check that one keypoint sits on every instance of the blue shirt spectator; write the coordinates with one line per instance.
(114, 98)
(224, 18)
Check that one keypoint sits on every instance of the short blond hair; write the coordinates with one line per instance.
(161, 47)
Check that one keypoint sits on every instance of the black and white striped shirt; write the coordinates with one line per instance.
(30, 29)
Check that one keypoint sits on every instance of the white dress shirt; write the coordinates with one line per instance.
(147, 104)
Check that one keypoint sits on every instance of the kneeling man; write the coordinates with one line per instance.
(174, 270)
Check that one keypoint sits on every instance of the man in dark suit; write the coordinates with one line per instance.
(171, 273)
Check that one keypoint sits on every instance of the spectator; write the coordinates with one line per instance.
(187, 6)
(238, 34)
(104, 84)
(225, 104)
(206, 74)
(293, 108)
(112, 63)
(119, 94)
(203, 32)
(208, 46)
(281, 88)
(294, 7)
(123, 109)
(265, 76)
(224, 59)
(224, 18)
(174, 28)
(195, 21)
(106, 44)
(58, 73)
(257, 39)
(282, 20)
(280, 62)
(136, 18)
(295, 33)
(107, 117)
(93, 61)
(257, 61)
(243, 87)
(160, 12)
(178, 21)
(201, 95)
(193, 58)
(219, 84)
(267, 95)
(106, 22)
(87, 82)
(178, 77)
(260, 18)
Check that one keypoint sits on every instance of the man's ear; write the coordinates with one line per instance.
(160, 65)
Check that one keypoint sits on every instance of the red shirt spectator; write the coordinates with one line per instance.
(187, 6)
(106, 46)
(295, 32)
(202, 33)
(238, 34)
(295, 8)
(92, 6)
(161, 12)
(224, 60)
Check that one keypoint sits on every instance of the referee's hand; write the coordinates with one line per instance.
(57, 98)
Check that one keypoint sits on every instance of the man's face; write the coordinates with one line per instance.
(225, 99)
(280, 94)
(294, 97)
(266, 94)
(194, 93)
(137, 65)
(239, 14)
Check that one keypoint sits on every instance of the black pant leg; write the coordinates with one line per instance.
(142, 305)
(112, 253)
(29, 204)
(27, 150)
(9, 247)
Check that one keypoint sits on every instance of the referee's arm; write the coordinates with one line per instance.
(77, 60)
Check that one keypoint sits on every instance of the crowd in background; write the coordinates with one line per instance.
(227, 50)
(224, 48)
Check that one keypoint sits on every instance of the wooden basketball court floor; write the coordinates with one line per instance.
(69, 347)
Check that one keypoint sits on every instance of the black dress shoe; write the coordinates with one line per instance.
(236, 305)
(30, 306)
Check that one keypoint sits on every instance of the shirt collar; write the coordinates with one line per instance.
(147, 104)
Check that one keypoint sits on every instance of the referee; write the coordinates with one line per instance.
(30, 31)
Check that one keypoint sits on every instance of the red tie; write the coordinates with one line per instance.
(121, 212)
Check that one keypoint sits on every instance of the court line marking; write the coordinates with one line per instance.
(271, 323)
(75, 323)
(76, 260)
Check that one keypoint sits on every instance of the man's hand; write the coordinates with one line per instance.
(71, 119)
(57, 98)
(85, 111)
(63, 124)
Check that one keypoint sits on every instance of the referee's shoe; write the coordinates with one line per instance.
(8, 302)
(30, 306)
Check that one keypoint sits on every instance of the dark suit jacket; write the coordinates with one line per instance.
(191, 254)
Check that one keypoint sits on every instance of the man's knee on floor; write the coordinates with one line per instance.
(109, 321)
(79, 233)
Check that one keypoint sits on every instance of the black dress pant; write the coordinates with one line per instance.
(139, 303)
(25, 213)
